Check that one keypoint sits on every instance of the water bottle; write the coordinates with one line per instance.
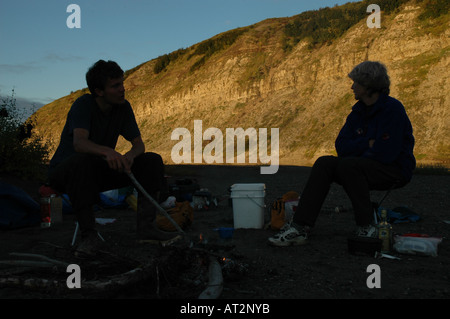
(45, 212)
(385, 233)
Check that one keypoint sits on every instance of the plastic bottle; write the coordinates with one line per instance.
(45, 193)
(45, 212)
(385, 233)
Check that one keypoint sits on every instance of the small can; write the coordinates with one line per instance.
(45, 212)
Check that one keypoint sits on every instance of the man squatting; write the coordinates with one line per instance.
(86, 162)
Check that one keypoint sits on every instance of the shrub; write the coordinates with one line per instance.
(163, 61)
(434, 9)
(22, 152)
(216, 44)
(327, 24)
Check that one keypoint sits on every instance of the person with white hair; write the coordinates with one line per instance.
(374, 152)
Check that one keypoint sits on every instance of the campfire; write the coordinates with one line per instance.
(196, 268)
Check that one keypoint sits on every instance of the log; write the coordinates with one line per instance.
(27, 263)
(131, 277)
(45, 263)
(42, 257)
(215, 284)
(36, 283)
(148, 273)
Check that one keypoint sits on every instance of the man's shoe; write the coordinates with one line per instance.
(369, 231)
(290, 235)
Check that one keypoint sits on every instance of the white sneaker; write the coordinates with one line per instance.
(290, 236)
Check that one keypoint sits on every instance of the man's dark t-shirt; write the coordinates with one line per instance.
(104, 129)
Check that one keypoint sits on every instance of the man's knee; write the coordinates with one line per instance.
(149, 159)
(149, 165)
(325, 162)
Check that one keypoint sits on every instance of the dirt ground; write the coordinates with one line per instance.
(323, 268)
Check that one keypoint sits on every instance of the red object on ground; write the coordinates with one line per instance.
(415, 235)
(46, 191)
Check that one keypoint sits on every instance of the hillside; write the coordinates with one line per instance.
(275, 74)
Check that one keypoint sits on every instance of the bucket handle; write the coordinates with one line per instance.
(264, 206)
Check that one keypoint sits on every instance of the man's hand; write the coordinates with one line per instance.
(371, 142)
(137, 149)
(117, 161)
(129, 159)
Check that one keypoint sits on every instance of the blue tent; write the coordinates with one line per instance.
(17, 208)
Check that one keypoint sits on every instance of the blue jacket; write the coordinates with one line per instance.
(388, 124)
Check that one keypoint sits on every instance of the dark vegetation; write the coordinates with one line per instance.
(205, 48)
(317, 26)
(216, 44)
(434, 9)
(327, 24)
(163, 61)
(22, 152)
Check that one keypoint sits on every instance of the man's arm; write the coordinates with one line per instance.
(138, 148)
(82, 144)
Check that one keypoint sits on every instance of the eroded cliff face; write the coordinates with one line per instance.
(304, 92)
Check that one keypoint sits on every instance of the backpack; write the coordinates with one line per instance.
(17, 208)
(182, 214)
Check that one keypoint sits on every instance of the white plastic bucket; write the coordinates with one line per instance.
(248, 205)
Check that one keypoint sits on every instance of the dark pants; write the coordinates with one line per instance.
(357, 175)
(83, 177)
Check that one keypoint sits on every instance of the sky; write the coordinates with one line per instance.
(43, 59)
